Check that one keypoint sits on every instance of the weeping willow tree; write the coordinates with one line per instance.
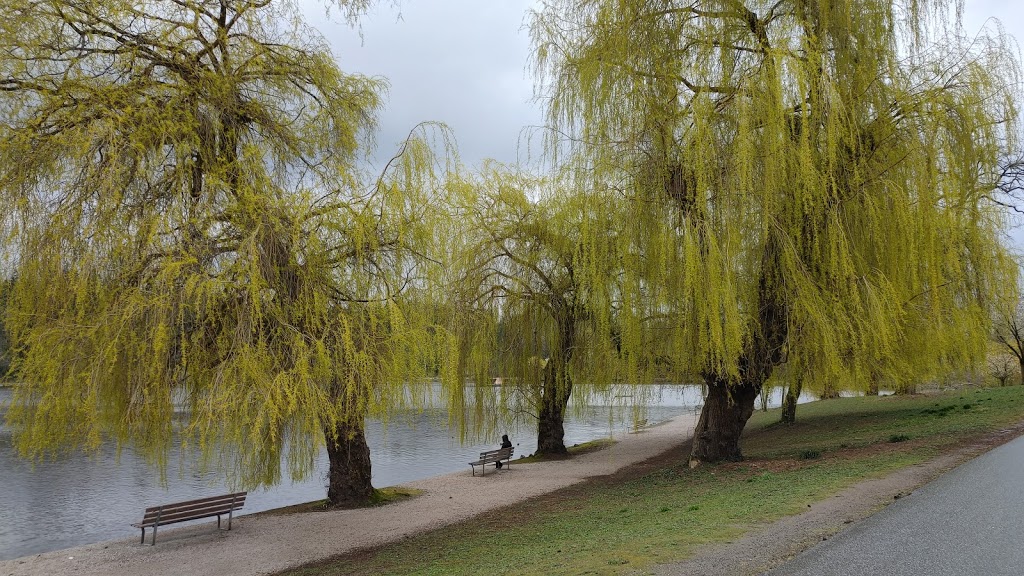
(196, 255)
(538, 264)
(810, 181)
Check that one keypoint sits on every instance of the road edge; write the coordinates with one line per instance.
(772, 545)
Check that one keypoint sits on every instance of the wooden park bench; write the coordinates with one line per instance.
(492, 456)
(190, 510)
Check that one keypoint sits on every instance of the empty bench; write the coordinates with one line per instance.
(190, 510)
(492, 456)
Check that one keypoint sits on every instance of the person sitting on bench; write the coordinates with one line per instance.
(505, 443)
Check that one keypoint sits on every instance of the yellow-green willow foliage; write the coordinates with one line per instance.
(808, 180)
(196, 254)
(539, 265)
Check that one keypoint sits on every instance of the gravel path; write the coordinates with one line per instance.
(266, 544)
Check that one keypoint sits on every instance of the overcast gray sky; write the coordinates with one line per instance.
(464, 63)
(461, 62)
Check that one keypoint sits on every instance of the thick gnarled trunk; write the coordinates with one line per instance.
(349, 474)
(725, 413)
(555, 396)
(730, 400)
(550, 421)
(550, 424)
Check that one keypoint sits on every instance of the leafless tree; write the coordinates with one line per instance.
(1009, 331)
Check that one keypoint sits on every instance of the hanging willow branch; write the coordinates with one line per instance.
(197, 258)
(816, 183)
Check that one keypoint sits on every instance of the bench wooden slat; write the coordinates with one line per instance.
(181, 516)
(201, 500)
(206, 504)
(156, 516)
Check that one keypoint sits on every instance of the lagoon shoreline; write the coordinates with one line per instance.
(83, 498)
(268, 543)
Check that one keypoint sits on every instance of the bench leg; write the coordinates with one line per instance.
(231, 512)
(143, 540)
(154, 535)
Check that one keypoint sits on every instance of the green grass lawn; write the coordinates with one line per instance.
(616, 526)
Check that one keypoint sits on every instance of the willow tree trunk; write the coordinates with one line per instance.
(906, 389)
(730, 401)
(555, 396)
(789, 402)
(349, 473)
(725, 413)
(1020, 361)
(829, 392)
(550, 424)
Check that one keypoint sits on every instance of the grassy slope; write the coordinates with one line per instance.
(609, 527)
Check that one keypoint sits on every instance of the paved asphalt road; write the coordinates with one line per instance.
(968, 522)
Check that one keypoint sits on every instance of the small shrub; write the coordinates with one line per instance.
(898, 438)
(810, 454)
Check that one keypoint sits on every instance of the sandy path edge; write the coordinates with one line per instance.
(263, 544)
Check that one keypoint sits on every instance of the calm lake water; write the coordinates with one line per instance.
(83, 499)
